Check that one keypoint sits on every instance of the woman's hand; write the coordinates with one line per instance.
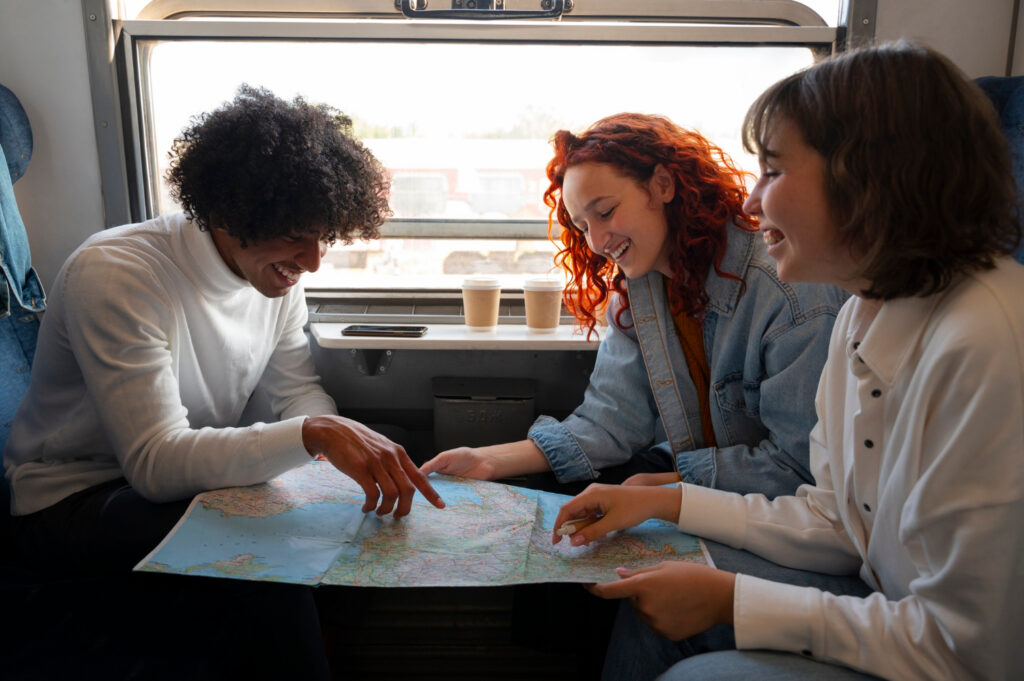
(467, 462)
(616, 508)
(676, 599)
(651, 479)
(489, 463)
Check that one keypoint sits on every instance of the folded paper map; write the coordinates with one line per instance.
(306, 527)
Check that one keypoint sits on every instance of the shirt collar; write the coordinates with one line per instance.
(886, 342)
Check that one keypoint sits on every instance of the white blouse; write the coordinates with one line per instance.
(918, 461)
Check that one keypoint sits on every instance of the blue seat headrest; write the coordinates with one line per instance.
(1007, 95)
(15, 134)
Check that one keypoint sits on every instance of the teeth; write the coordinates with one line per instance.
(287, 274)
(617, 253)
(771, 237)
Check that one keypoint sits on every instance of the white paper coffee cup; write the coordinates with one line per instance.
(480, 299)
(543, 298)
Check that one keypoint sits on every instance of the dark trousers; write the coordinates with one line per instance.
(84, 613)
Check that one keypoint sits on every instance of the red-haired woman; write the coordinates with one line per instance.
(708, 370)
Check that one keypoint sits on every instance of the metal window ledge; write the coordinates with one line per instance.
(459, 337)
(411, 308)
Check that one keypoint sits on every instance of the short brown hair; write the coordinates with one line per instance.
(917, 169)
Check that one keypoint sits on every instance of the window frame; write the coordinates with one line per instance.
(118, 49)
(137, 36)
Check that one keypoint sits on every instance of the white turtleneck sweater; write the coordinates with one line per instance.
(148, 353)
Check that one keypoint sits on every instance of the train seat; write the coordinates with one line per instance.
(1007, 95)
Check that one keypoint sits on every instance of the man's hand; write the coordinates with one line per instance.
(381, 467)
(465, 461)
(617, 508)
(676, 599)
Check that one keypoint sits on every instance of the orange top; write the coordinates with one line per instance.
(691, 337)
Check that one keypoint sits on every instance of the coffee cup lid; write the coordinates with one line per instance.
(543, 284)
(481, 283)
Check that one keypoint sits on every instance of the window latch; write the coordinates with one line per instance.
(483, 10)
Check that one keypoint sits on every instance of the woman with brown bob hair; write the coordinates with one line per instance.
(879, 174)
(708, 367)
(883, 171)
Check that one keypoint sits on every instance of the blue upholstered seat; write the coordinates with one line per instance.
(1007, 94)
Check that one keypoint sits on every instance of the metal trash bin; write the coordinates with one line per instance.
(481, 411)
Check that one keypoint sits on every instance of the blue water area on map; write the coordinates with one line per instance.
(297, 545)
(549, 505)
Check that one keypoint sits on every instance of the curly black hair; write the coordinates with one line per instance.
(264, 168)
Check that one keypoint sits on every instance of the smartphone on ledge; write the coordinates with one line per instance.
(383, 330)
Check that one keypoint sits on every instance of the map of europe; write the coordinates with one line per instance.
(306, 526)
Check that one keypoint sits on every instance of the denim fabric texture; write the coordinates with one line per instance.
(1007, 95)
(19, 325)
(20, 287)
(18, 333)
(765, 345)
(15, 134)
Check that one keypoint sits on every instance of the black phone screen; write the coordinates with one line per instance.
(383, 330)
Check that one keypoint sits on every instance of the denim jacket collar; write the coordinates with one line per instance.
(657, 337)
(724, 293)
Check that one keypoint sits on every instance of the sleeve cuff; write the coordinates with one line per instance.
(775, 616)
(714, 514)
(281, 444)
(697, 466)
(564, 455)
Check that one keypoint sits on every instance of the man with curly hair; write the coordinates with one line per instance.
(158, 334)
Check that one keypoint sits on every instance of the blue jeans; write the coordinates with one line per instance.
(636, 653)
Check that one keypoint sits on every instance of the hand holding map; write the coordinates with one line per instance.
(676, 599)
(618, 507)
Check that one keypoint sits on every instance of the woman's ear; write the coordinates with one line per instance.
(662, 185)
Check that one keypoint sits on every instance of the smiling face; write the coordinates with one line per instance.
(272, 266)
(790, 202)
(623, 220)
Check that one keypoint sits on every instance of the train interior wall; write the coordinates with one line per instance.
(507, 632)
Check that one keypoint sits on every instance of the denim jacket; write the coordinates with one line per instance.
(765, 345)
(21, 294)
(19, 280)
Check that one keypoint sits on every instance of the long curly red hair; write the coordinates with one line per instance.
(709, 192)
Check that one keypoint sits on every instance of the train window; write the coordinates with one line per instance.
(461, 111)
